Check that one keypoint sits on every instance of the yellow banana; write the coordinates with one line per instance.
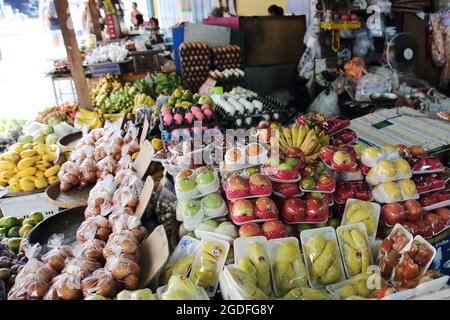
(287, 135)
(303, 131)
(294, 134)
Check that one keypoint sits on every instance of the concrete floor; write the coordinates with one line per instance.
(26, 49)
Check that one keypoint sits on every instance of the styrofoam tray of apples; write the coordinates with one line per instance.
(256, 220)
(279, 195)
(248, 196)
(329, 233)
(305, 220)
(376, 210)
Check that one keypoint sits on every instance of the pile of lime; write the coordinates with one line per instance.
(13, 229)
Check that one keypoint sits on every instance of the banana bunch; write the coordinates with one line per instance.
(204, 271)
(323, 256)
(25, 167)
(356, 287)
(180, 268)
(257, 266)
(143, 99)
(289, 269)
(88, 118)
(247, 284)
(356, 251)
(361, 211)
(306, 294)
(309, 140)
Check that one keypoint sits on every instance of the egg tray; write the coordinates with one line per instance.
(272, 111)
(229, 83)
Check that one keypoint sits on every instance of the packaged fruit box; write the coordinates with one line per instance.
(180, 288)
(389, 170)
(251, 255)
(322, 257)
(208, 264)
(352, 189)
(194, 211)
(284, 170)
(424, 165)
(355, 249)
(362, 211)
(224, 230)
(181, 260)
(260, 210)
(342, 158)
(395, 191)
(335, 124)
(239, 187)
(428, 182)
(344, 136)
(192, 184)
(296, 210)
(435, 200)
(237, 158)
(414, 262)
(287, 265)
(317, 177)
(286, 190)
(372, 155)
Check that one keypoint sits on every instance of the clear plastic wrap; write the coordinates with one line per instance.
(94, 227)
(58, 253)
(122, 176)
(124, 221)
(124, 270)
(68, 176)
(101, 282)
(101, 196)
(106, 166)
(181, 288)
(123, 243)
(88, 172)
(66, 286)
(33, 281)
(128, 194)
(85, 265)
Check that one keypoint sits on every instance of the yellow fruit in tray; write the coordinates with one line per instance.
(157, 144)
(6, 165)
(52, 170)
(39, 173)
(40, 182)
(386, 169)
(17, 147)
(14, 187)
(27, 153)
(25, 163)
(50, 157)
(10, 156)
(52, 179)
(27, 146)
(314, 247)
(6, 174)
(30, 171)
(43, 165)
(26, 183)
(402, 166)
(408, 187)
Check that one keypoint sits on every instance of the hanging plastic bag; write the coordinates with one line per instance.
(326, 103)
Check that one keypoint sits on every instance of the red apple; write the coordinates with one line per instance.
(316, 210)
(274, 229)
(393, 213)
(294, 210)
(297, 154)
(326, 182)
(414, 210)
(444, 213)
(436, 222)
(242, 211)
(286, 189)
(411, 227)
(265, 208)
(326, 153)
(250, 230)
(424, 228)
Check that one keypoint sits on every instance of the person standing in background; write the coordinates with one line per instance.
(53, 24)
(86, 19)
(275, 10)
(135, 20)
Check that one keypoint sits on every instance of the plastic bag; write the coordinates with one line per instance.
(85, 265)
(94, 227)
(58, 253)
(128, 194)
(371, 83)
(106, 166)
(88, 173)
(362, 44)
(122, 175)
(33, 281)
(312, 51)
(124, 270)
(68, 176)
(101, 196)
(325, 103)
(63, 129)
(121, 222)
(123, 243)
(66, 286)
(101, 282)
(181, 288)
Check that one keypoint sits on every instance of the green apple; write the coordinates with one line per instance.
(38, 216)
(205, 178)
(273, 161)
(205, 100)
(191, 207)
(284, 166)
(291, 161)
(213, 201)
(186, 185)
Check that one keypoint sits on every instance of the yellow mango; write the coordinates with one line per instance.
(13, 180)
(27, 153)
(27, 146)
(3, 183)
(6, 165)
(40, 183)
(7, 174)
(14, 187)
(17, 147)
(25, 163)
(10, 156)
(52, 179)
(26, 183)
(52, 170)
(37, 158)
(43, 165)
(39, 174)
(42, 149)
(53, 147)
(26, 172)
(15, 170)
(50, 157)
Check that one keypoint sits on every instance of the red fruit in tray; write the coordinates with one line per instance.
(298, 154)
(385, 246)
(236, 187)
(444, 213)
(393, 213)
(316, 210)
(242, 211)
(326, 153)
(364, 169)
(294, 210)
(343, 137)
(402, 150)
(286, 189)
(411, 227)
(347, 149)
(416, 150)
(250, 230)
(342, 160)
(424, 228)
(362, 191)
(410, 270)
(436, 223)
(308, 171)
(423, 255)
(428, 200)
(260, 185)
(274, 229)
(265, 208)
(343, 192)
(442, 196)
(286, 172)
(400, 240)
(413, 210)
(326, 182)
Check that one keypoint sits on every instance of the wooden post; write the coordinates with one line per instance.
(94, 16)
(73, 54)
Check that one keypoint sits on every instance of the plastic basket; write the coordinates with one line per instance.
(99, 70)
(24, 205)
